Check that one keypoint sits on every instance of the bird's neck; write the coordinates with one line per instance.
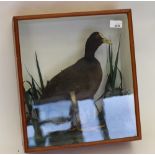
(90, 52)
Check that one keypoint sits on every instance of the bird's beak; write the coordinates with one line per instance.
(106, 41)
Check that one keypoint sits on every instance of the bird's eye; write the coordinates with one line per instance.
(98, 36)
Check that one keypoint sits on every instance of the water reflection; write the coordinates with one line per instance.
(116, 120)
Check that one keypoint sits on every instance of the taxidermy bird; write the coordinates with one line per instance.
(83, 78)
(79, 81)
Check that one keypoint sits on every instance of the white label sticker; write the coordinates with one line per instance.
(115, 24)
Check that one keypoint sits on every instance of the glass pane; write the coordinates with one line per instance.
(78, 79)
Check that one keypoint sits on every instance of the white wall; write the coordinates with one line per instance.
(143, 23)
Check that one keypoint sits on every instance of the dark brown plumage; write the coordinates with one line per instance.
(84, 77)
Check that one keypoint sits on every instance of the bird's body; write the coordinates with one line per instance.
(83, 78)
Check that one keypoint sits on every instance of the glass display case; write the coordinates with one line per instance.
(77, 79)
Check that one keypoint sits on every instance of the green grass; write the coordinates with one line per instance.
(33, 93)
(113, 72)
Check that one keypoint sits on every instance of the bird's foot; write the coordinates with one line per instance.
(73, 129)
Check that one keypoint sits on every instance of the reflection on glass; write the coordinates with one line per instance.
(54, 122)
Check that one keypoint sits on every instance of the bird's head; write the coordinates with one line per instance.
(95, 40)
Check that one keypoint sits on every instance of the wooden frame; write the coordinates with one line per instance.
(16, 19)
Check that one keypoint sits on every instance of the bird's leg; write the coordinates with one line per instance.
(101, 117)
(99, 107)
(74, 112)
